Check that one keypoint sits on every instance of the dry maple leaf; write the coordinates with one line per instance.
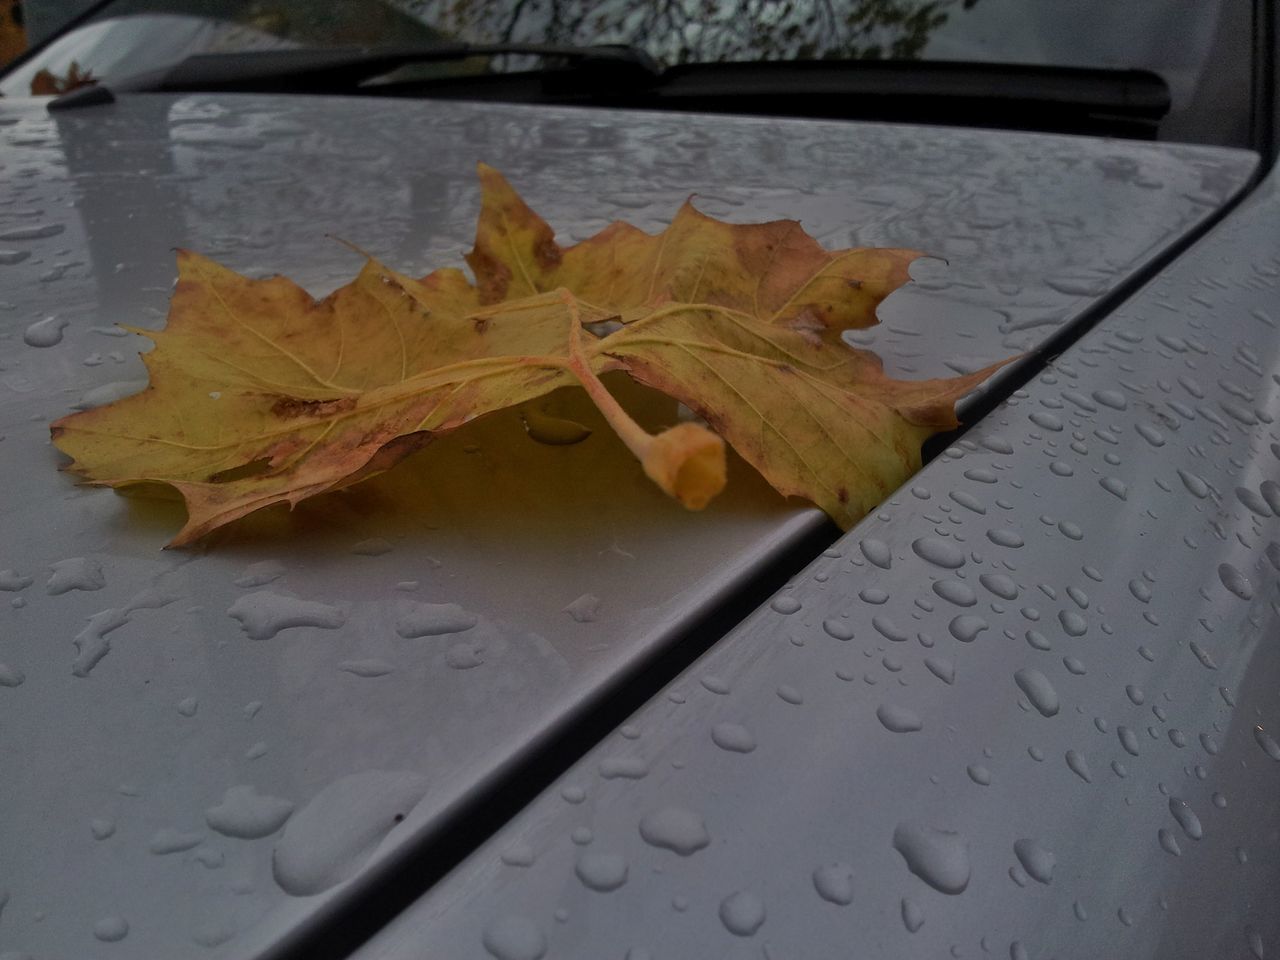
(260, 394)
(48, 84)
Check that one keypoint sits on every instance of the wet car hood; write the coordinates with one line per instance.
(210, 750)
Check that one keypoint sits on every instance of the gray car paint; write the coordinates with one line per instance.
(145, 732)
(1027, 709)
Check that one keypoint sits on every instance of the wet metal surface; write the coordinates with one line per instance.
(201, 750)
(1028, 709)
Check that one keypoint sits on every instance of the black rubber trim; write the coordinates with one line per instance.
(1265, 108)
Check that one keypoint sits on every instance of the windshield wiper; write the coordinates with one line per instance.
(1100, 102)
(345, 69)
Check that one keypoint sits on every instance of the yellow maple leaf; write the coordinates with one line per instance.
(260, 394)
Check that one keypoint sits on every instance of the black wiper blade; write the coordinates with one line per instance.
(1139, 93)
(342, 69)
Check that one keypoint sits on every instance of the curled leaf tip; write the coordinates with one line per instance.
(688, 463)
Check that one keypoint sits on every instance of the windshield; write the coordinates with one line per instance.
(1202, 49)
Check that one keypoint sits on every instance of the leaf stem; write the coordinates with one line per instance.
(637, 439)
(687, 461)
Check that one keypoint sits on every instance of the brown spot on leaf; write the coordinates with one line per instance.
(547, 253)
(842, 495)
(290, 408)
(251, 469)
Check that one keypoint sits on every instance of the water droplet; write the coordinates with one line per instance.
(602, 872)
(676, 829)
(366, 668)
(790, 694)
(967, 626)
(968, 501)
(999, 584)
(888, 629)
(32, 232)
(1267, 742)
(1073, 623)
(624, 768)
(912, 915)
(1115, 486)
(212, 934)
(873, 595)
(939, 552)
(1079, 766)
(584, 609)
(1202, 655)
(167, 840)
(941, 668)
(1035, 859)
(101, 829)
(519, 854)
(463, 656)
(877, 552)
(1169, 842)
(1046, 421)
(979, 774)
(337, 830)
(898, 719)
(742, 913)
(1070, 530)
(44, 333)
(955, 591)
(1149, 433)
(433, 620)
(1186, 818)
(1238, 413)
(834, 883)
(246, 814)
(1253, 501)
(514, 938)
(1111, 398)
(938, 857)
(1005, 538)
(11, 581)
(75, 573)
(1195, 486)
(1255, 943)
(264, 614)
(1270, 491)
(785, 605)
(1038, 640)
(733, 737)
(1038, 690)
(261, 573)
(111, 929)
(839, 629)
(1128, 740)
(11, 676)
(1235, 581)
(109, 393)
(717, 685)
